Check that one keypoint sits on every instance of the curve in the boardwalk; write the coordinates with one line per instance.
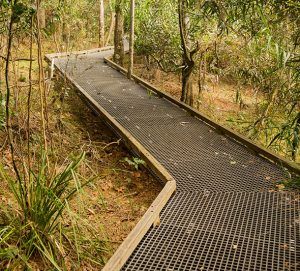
(225, 214)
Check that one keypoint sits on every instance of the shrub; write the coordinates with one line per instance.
(34, 227)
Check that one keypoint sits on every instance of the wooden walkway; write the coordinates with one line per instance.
(224, 214)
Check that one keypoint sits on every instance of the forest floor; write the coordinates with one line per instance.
(118, 195)
(218, 97)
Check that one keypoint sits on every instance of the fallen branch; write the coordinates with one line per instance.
(127, 195)
(112, 143)
(18, 59)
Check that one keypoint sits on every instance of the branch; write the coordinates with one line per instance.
(162, 67)
(17, 59)
(181, 28)
(112, 143)
(195, 50)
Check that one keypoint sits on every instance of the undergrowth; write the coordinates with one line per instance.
(40, 224)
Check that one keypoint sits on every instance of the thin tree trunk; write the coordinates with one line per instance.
(8, 93)
(187, 82)
(29, 98)
(111, 28)
(41, 79)
(2, 61)
(131, 39)
(101, 24)
(200, 82)
(118, 34)
(42, 17)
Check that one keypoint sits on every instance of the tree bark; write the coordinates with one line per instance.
(8, 93)
(101, 24)
(188, 62)
(41, 78)
(111, 28)
(131, 39)
(42, 17)
(118, 34)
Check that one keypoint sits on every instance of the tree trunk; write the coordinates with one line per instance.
(118, 35)
(41, 78)
(186, 80)
(111, 28)
(101, 24)
(42, 17)
(9, 46)
(131, 39)
(188, 63)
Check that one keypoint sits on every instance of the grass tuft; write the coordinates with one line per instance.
(35, 226)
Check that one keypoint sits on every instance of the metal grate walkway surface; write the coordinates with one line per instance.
(225, 214)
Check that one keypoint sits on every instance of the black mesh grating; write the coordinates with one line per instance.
(272, 216)
(223, 231)
(172, 248)
(225, 215)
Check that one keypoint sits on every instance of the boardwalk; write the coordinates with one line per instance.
(225, 214)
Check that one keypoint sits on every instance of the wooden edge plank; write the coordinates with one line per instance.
(127, 247)
(49, 57)
(257, 148)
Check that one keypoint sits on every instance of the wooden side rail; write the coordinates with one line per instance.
(257, 148)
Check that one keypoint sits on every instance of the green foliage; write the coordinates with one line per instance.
(20, 12)
(157, 32)
(71, 23)
(292, 183)
(135, 162)
(35, 225)
(289, 133)
(258, 46)
(254, 43)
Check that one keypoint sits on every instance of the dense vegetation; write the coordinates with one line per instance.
(251, 44)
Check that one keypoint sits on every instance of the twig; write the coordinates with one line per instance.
(127, 195)
(4, 144)
(18, 59)
(112, 143)
(41, 80)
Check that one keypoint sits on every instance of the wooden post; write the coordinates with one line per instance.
(131, 39)
(101, 24)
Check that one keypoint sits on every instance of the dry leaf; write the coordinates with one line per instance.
(136, 174)
(280, 187)
(91, 211)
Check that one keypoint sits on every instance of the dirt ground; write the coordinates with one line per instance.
(217, 99)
